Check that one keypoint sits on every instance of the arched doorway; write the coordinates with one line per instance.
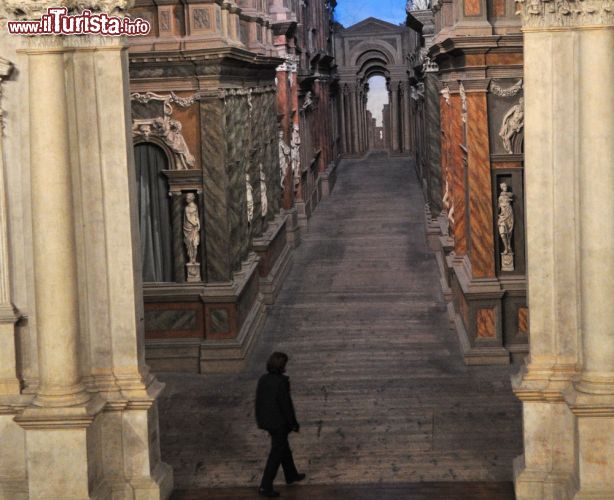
(378, 111)
(154, 208)
(372, 52)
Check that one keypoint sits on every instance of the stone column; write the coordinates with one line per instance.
(394, 114)
(91, 430)
(344, 146)
(408, 119)
(567, 385)
(55, 258)
(354, 121)
(9, 379)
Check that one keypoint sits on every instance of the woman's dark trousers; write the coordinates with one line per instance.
(280, 454)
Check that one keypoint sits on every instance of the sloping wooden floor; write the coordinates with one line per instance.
(377, 378)
(421, 491)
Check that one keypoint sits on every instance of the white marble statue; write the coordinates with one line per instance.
(295, 152)
(284, 157)
(191, 227)
(308, 102)
(263, 194)
(417, 5)
(512, 124)
(505, 223)
(250, 199)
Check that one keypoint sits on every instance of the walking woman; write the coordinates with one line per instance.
(275, 414)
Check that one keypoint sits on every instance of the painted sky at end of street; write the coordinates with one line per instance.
(350, 12)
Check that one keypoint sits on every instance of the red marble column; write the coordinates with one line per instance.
(482, 246)
(284, 110)
(456, 168)
(295, 121)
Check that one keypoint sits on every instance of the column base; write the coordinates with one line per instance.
(293, 230)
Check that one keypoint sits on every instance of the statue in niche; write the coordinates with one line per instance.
(191, 236)
(295, 153)
(264, 202)
(505, 223)
(174, 138)
(284, 157)
(250, 199)
(513, 123)
(308, 103)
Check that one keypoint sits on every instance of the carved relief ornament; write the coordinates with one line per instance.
(6, 68)
(546, 14)
(463, 96)
(507, 92)
(445, 92)
(164, 127)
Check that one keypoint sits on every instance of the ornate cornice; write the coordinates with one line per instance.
(546, 14)
(34, 9)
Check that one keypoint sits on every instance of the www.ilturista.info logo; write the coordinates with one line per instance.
(57, 21)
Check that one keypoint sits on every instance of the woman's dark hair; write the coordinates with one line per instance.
(277, 363)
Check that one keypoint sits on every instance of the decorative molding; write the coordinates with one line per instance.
(496, 89)
(544, 14)
(168, 100)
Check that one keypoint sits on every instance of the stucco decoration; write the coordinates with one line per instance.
(463, 96)
(511, 128)
(250, 199)
(496, 89)
(284, 157)
(295, 153)
(445, 92)
(167, 129)
(264, 201)
(505, 223)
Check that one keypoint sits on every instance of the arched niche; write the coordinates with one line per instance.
(151, 160)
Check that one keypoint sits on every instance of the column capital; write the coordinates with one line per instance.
(545, 14)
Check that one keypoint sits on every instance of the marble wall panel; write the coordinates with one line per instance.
(239, 158)
(482, 246)
(523, 321)
(433, 146)
(486, 323)
(216, 185)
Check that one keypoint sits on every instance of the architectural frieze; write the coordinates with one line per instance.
(29, 9)
(546, 14)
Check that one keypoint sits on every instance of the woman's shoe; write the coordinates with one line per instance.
(298, 478)
(268, 493)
